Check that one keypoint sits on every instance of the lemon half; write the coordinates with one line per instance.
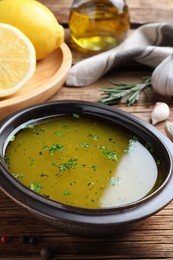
(17, 60)
(36, 21)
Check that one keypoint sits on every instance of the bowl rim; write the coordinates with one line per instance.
(125, 213)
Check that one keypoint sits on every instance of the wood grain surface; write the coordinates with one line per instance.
(151, 240)
(141, 11)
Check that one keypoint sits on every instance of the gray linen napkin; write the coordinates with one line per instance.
(148, 45)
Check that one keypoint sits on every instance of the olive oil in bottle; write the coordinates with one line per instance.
(99, 25)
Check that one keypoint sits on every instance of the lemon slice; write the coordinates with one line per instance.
(17, 60)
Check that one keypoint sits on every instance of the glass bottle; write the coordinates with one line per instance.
(99, 25)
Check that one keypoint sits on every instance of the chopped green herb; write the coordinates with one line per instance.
(32, 162)
(66, 192)
(45, 147)
(149, 147)
(62, 167)
(131, 142)
(94, 136)
(58, 134)
(75, 115)
(158, 162)
(135, 138)
(55, 148)
(18, 176)
(93, 167)
(103, 148)
(86, 145)
(54, 164)
(110, 155)
(71, 164)
(35, 186)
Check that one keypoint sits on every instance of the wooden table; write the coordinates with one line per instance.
(151, 240)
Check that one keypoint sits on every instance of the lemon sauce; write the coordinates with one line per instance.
(82, 162)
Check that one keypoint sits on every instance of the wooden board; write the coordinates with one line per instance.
(50, 75)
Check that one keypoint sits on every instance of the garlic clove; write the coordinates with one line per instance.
(160, 112)
(169, 130)
(162, 77)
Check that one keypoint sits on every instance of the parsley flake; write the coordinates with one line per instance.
(36, 186)
(66, 192)
(75, 115)
(86, 145)
(93, 167)
(94, 136)
(110, 155)
(18, 176)
(58, 134)
(71, 164)
(54, 148)
(131, 142)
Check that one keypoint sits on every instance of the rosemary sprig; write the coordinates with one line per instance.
(128, 92)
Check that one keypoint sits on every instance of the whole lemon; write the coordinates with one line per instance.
(36, 21)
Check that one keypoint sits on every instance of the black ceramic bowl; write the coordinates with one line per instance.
(79, 221)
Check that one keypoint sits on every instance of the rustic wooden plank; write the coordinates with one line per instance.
(145, 11)
(141, 11)
(60, 8)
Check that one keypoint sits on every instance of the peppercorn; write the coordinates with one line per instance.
(46, 252)
(4, 239)
(32, 240)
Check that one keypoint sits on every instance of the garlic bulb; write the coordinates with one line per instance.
(169, 130)
(162, 77)
(160, 112)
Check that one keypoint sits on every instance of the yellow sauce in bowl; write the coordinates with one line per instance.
(83, 162)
